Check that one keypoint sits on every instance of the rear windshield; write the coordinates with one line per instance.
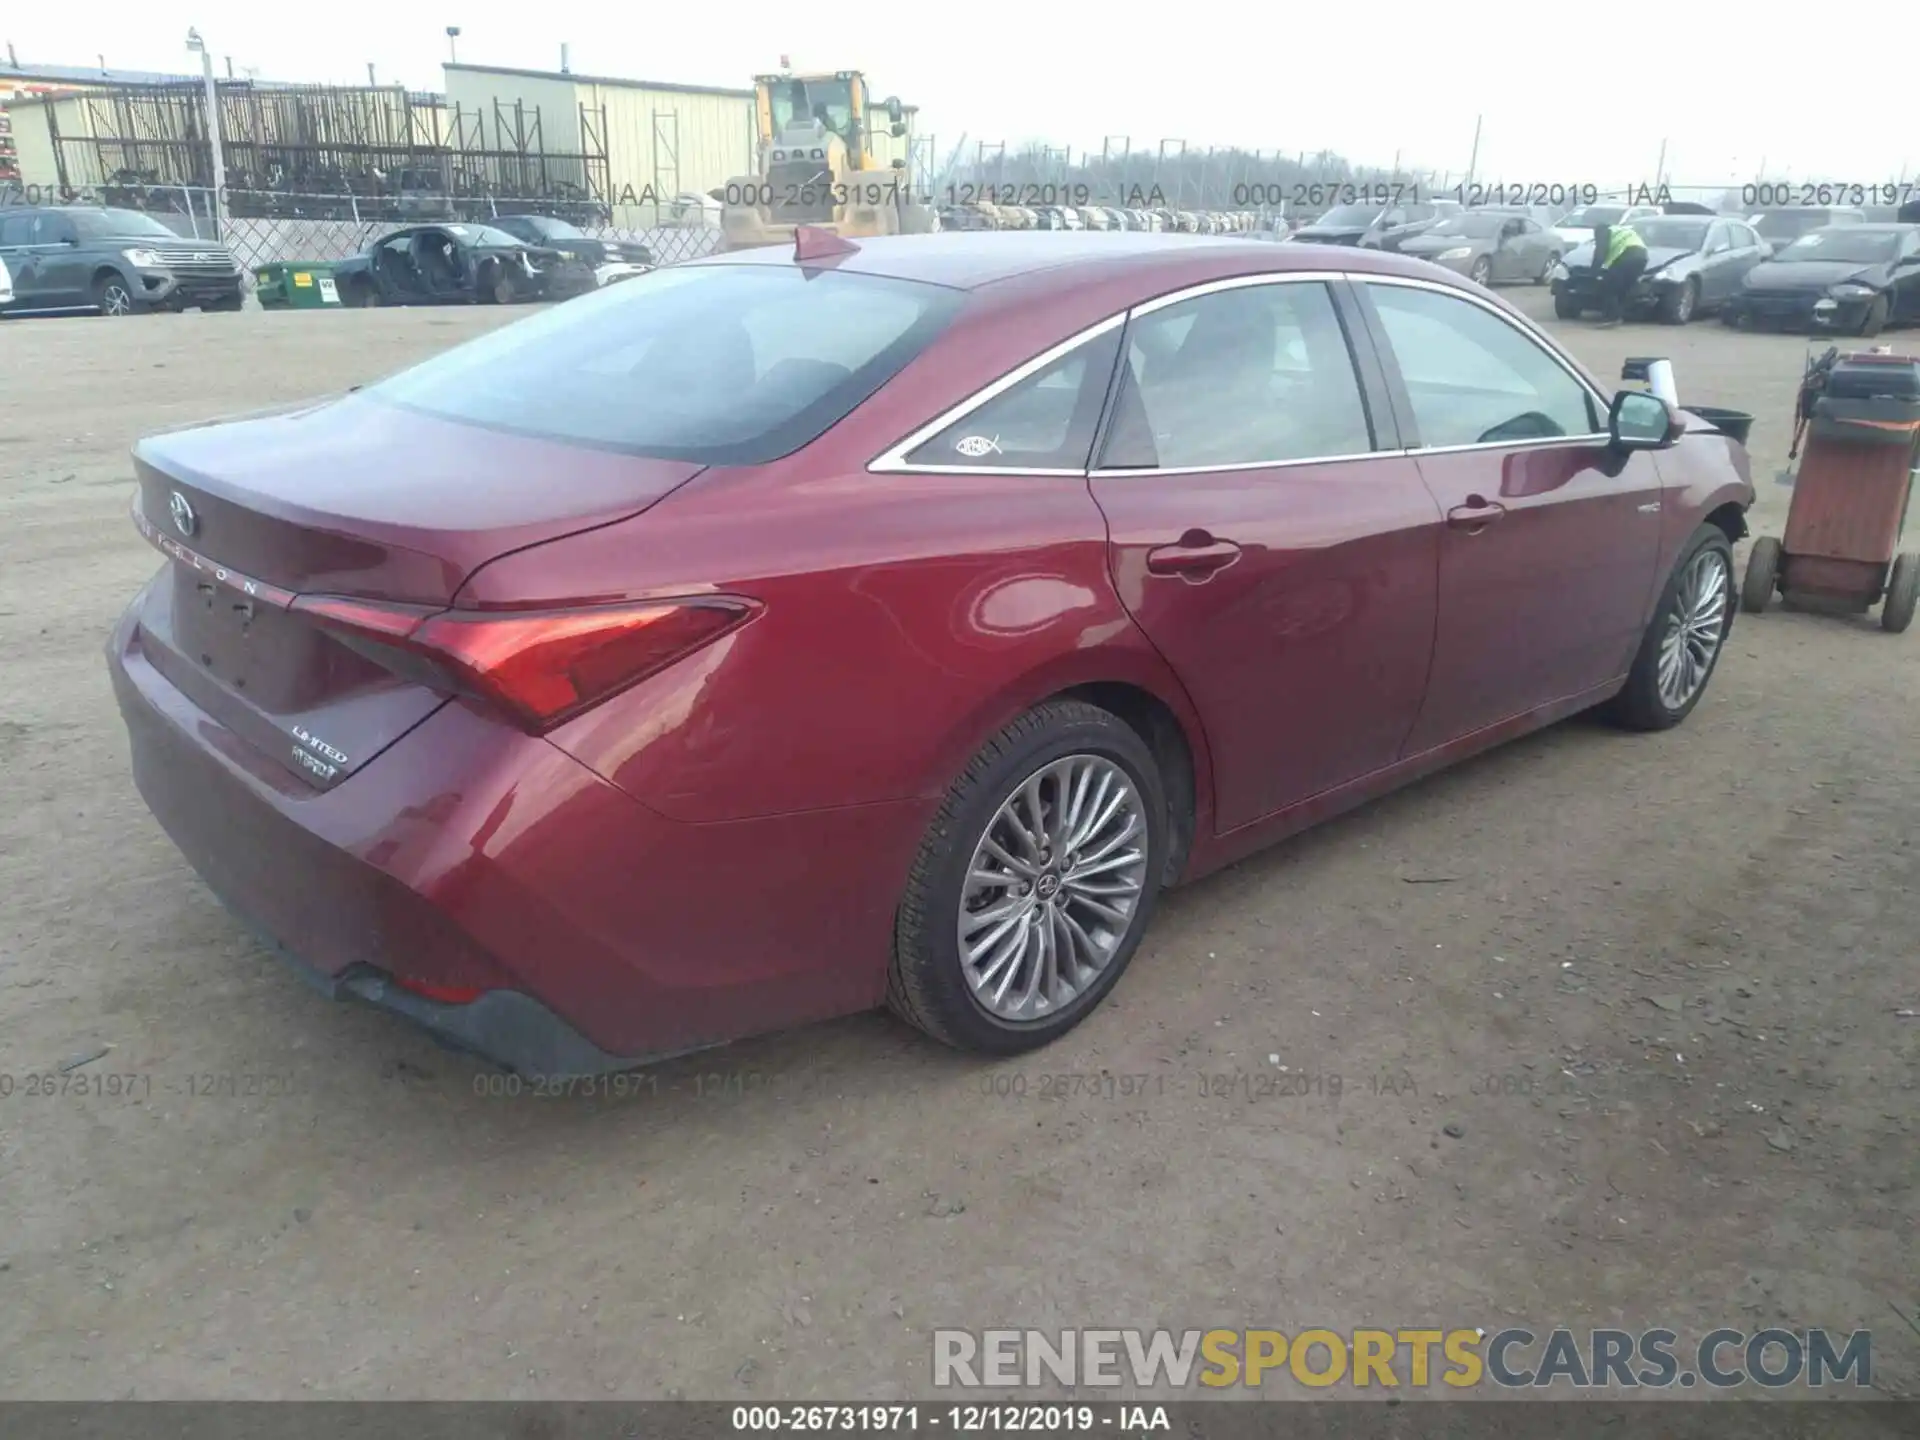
(715, 364)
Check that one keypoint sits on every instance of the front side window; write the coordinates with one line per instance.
(715, 364)
(1474, 379)
(1045, 422)
(1259, 374)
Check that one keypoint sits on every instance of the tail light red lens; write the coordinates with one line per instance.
(434, 990)
(541, 667)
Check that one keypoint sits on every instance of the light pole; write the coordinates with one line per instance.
(196, 44)
(453, 47)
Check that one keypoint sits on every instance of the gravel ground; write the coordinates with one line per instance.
(1632, 1057)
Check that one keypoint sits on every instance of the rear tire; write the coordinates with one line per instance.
(1903, 591)
(1763, 573)
(1696, 611)
(929, 984)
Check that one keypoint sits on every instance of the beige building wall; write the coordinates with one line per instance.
(666, 142)
(33, 143)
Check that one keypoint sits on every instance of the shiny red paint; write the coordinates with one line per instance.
(719, 848)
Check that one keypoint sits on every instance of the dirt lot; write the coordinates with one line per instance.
(1652, 984)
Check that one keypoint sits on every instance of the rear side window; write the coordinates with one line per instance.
(714, 364)
(1252, 375)
(1045, 422)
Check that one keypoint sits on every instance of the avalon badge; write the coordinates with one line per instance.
(184, 519)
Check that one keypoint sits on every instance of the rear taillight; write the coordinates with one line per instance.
(434, 990)
(541, 667)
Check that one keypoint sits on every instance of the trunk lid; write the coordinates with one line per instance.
(354, 497)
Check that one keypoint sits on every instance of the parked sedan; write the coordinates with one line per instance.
(1489, 249)
(458, 265)
(1576, 227)
(1374, 227)
(610, 260)
(1695, 266)
(1854, 279)
(762, 640)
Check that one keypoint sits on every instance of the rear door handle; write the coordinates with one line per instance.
(1475, 515)
(1195, 557)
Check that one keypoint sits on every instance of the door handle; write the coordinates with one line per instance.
(1196, 556)
(1475, 515)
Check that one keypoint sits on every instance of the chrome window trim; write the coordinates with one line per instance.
(893, 460)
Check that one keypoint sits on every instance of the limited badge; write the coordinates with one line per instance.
(974, 446)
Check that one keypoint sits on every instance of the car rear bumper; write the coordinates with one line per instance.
(470, 857)
(1796, 310)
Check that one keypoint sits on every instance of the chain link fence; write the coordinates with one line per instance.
(323, 227)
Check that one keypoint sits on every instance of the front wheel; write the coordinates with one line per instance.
(1566, 307)
(1481, 271)
(1875, 320)
(1546, 270)
(1677, 306)
(1034, 884)
(114, 296)
(1903, 590)
(1682, 645)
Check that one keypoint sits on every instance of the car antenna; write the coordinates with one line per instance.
(810, 242)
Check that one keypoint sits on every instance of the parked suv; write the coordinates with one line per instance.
(118, 262)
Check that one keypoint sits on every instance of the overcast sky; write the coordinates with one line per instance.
(1571, 93)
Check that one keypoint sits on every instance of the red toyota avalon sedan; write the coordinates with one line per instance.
(772, 638)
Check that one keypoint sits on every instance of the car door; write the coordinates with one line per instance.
(1906, 278)
(65, 273)
(1719, 264)
(21, 260)
(1514, 258)
(1550, 538)
(1267, 536)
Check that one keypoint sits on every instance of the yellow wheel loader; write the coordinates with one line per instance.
(821, 164)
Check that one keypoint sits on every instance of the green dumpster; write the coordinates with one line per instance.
(295, 285)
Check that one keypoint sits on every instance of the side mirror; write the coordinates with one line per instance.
(1638, 420)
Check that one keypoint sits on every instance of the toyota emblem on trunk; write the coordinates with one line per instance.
(182, 512)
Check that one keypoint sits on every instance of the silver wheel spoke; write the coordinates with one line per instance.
(1695, 628)
(1053, 888)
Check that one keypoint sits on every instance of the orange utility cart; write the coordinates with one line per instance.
(1859, 416)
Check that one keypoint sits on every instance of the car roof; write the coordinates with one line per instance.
(969, 259)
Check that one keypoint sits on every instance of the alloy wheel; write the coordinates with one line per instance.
(1696, 625)
(1053, 889)
(114, 300)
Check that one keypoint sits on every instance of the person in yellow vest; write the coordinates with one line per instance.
(1620, 257)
